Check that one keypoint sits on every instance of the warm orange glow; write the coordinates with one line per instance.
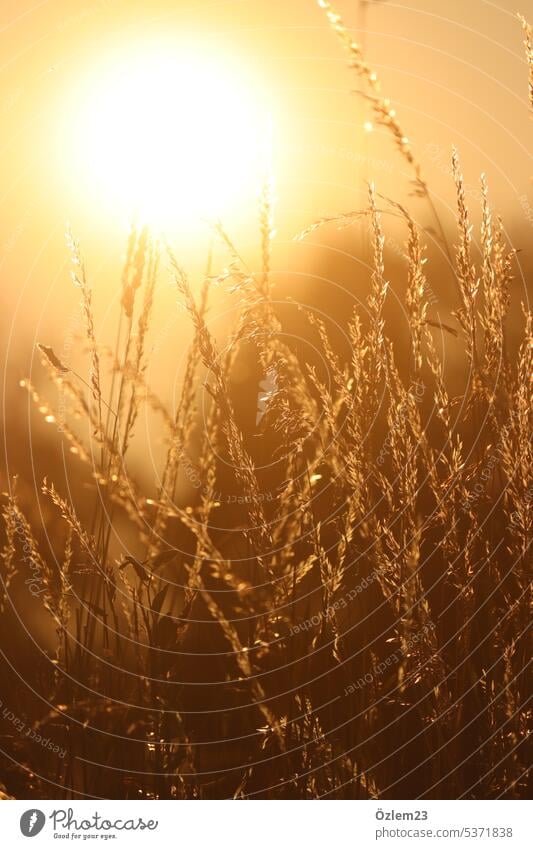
(168, 135)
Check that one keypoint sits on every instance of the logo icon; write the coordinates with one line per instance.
(32, 822)
(267, 391)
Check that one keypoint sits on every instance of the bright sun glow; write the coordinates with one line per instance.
(168, 137)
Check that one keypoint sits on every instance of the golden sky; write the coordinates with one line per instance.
(454, 71)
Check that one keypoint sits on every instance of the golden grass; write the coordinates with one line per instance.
(359, 630)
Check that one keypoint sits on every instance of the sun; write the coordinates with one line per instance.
(169, 135)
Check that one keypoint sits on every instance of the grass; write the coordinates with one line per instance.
(340, 609)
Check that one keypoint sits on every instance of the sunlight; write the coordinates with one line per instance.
(169, 136)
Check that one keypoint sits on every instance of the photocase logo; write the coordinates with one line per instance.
(32, 822)
(267, 389)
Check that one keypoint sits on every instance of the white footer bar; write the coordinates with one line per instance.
(266, 825)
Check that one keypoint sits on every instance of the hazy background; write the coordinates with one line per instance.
(456, 74)
(454, 71)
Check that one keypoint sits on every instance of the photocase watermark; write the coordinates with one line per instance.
(350, 155)
(65, 820)
(32, 822)
(527, 209)
(440, 158)
(416, 392)
(485, 474)
(65, 824)
(516, 518)
(267, 389)
(35, 582)
(65, 358)
(340, 603)
(391, 660)
(399, 249)
(193, 475)
(30, 733)
(489, 465)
